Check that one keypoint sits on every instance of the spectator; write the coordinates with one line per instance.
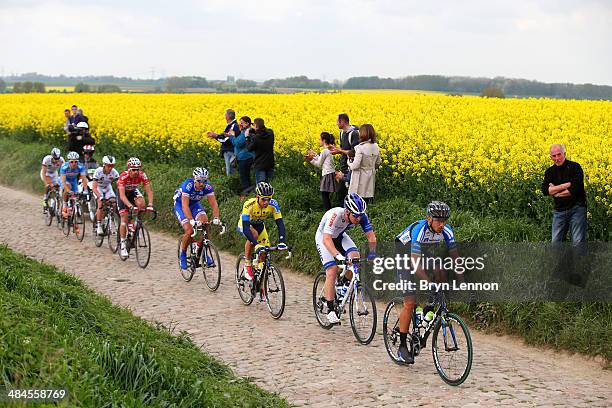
(80, 117)
(227, 148)
(79, 138)
(243, 155)
(68, 126)
(325, 161)
(74, 109)
(363, 166)
(260, 141)
(564, 181)
(349, 138)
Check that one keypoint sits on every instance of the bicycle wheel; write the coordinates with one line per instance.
(212, 273)
(391, 331)
(243, 285)
(142, 245)
(58, 212)
(67, 222)
(49, 209)
(188, 273)
(319, 303)
(452, 352)
(79, 222)
(362, 313)
(98, 238)
(274, 287)
(112, 230)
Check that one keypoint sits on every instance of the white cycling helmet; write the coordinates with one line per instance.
(56, 153)
(134, 163)
(73, 156)
(108, 160)
(82, 125)
(200, 173)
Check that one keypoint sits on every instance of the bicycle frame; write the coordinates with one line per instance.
(349, 265)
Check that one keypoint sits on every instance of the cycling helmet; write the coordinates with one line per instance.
(89, 149)
(73, 156)
(200, 173)
(56, 153)
(355, 204)
(82, 125)
(264, 189)
(438, 209)
(108, 160)
(133, 163)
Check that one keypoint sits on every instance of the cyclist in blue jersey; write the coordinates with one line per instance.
(70, 173)
(189, 212)
(419, 236)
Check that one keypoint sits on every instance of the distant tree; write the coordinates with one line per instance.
(27, 87)
(82, 87)
(38, 87)
(2, 85)
(246, 83)
(108, 89)
(492, 92)
(17, 87)
(174, 84)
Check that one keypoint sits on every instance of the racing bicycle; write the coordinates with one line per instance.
(110, 226)
(138, 237)
(202, 253)
(75, 221)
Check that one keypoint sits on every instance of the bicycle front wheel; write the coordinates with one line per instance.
(275, 291)
(362, 313)
(79, 222)
(211, 266)
(188, 273)
(142, 246)
(319, 303)
(49, 210)
(112, 230)
(243, 285)
(451, 349)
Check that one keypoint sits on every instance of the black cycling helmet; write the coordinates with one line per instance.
(438, 209)
(264, 189)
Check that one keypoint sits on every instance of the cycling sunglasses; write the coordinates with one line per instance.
(73, 161)
(201, 181)
(265, 199)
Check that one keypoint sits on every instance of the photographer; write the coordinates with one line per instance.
(79, 137)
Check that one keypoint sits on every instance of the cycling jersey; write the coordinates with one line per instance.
(131, 183)
(52, 168)
(335, 222)
(253, 214)
(187, 189)
(105, 180)
(419, 233)
(72, 174)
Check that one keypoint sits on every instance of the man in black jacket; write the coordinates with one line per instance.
(349, 138)
(227, 147)
(564, 181)
(260, 140)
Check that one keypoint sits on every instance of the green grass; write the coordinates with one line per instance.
(298, 195)
(56, 333)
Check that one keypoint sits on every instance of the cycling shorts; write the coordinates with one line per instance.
(131, 196)
(260, 227)
(343, 243)
(55, 180)
(195, 208)
(105, 193)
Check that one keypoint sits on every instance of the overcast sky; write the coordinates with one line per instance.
(546, 40)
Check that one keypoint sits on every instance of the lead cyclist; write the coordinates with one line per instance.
(51, 164)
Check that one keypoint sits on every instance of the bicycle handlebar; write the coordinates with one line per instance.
(276, 248)
(199, 226)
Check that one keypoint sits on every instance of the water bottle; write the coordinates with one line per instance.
(419, 316)
(428, 318)
(194, 247)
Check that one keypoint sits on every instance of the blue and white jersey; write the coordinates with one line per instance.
(418, 233)
(72, 174)
(335, 222)
(187, 189)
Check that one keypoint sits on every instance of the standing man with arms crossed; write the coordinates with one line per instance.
(349, 138)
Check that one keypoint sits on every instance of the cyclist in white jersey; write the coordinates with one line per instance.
(334, 244)
(103, 179)
(51, 164)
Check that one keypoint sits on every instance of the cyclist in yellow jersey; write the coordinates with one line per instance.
(251, 222)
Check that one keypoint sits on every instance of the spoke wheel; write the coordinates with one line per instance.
(112, 230)
(243, 285)
(188, 273)
(67, 222)
(212, 273)
(451, 349)
(79, 222)
(50, 207)
(318, 301)
(362, 313)
(274, 287)
(142, 245)
(391, 331)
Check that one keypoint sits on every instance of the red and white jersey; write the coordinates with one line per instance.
(131, 183)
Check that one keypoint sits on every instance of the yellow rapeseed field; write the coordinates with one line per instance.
(471, 142)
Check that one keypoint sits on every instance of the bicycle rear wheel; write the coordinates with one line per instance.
(391, 331)
(243, 284)
(452, 351)
(143, 246)
(319, 303)
(79, 222)
(362, 313)
(212, 273)
(188, 273)
(112, 230)
(274, 287)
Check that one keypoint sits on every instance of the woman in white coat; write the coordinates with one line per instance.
(363, 166)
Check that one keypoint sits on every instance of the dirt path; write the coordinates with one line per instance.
(294, 356)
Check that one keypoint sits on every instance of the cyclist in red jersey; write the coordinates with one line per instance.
(130, 196)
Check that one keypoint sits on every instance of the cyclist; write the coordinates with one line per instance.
(251, 223)
(130, 196)
(189, 212)
(70, 173)
(102, 187)
(88, 161)
(334, 244)
(51, 163)
(422, 235)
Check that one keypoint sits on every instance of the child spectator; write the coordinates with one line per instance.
(325, 161)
